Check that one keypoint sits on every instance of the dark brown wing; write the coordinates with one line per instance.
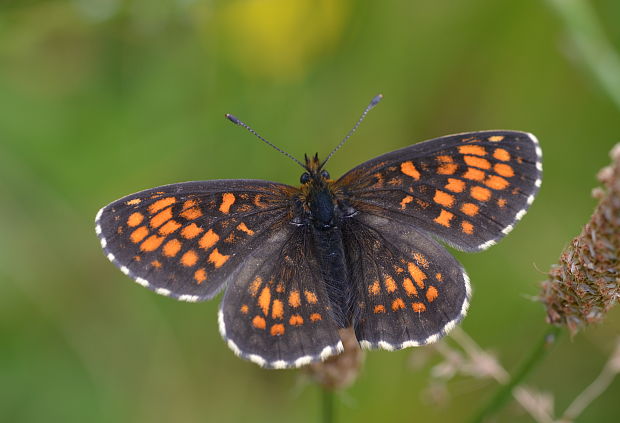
(276, 311)
(410, 290)
(184, 240)
(467, 189)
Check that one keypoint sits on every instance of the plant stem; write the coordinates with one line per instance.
(328, 405)
(505, 392)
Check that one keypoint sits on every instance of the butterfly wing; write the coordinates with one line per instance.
(410, 290)
(275, 311)
(184, 240)
(467, 189)
(189, 240)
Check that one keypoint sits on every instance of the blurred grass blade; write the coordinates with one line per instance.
(591, 43)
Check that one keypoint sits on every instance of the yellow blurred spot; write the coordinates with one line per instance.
(281, 38)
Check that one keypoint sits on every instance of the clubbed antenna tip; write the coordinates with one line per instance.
(375, 100)
(232, 119)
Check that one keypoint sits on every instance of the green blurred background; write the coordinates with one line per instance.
(102, 98)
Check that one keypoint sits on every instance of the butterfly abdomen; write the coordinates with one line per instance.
(329, 251)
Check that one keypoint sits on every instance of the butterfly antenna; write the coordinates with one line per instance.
(372, 104)
(252, 131)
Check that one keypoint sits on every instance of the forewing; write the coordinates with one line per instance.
(275, 311)
(467, 189)
(183, 240)
(411, 291)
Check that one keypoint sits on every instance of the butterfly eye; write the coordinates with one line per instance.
(325, 174)
(305, 178)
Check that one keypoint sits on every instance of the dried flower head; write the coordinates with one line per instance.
(585, 284)
(340, 371)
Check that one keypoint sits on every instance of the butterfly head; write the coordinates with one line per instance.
(315, 174)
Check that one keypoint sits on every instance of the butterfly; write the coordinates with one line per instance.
(297, 264)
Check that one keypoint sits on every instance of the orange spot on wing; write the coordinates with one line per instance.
(501, 154)
(156, 264)
(208, 240)
(192, 213)
(409, 288)
(256, 283)
(135, 219)
(496, 182)
(172, 247)
(467, 227)
(374, 288)
(474, 174)
(217, 258)
(259, 322)
(446, 165)
(476, 161)
(444, 218)
(443, 198)
(162, 217)
(277, 309)
(418, 307)
(139, 234)
(390, 285)
(264, 299)
(408, 199)
(189, 258)
(379, 309)
(200, 276)
(503, 169)
(496, 138)
(160, 204)
(296, 320)
(501, 202)
(293, 299)
(169, 227)
(277, 329)
(189, 204)
(191, 231)
(152, 243)
(439, 277)
(315, 317)
(310, 297)
(227, 200)
(480, 194)
(417, 274)
(258, 202)
(470, 209)
(379, 178)
(472, 149)
(244, 309)
(431, 294)
(455, 185)
(409, 169)
(421, 260)
(133, 202)
(280, 288)
(245, 229)
(398, 304)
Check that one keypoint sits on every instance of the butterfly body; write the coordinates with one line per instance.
(298, 264)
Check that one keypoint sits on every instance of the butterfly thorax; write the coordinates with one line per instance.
(318, 198)
(323, 214)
